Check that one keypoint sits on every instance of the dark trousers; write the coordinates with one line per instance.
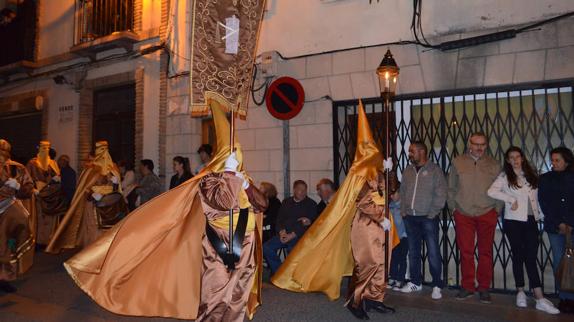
(270, 249)
(398, 267)
(523, 239)
(419, 229)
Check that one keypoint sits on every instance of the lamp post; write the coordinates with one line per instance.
(388, 73)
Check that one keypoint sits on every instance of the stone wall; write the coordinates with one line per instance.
(540, 55)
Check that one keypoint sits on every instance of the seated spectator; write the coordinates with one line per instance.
(205, 152)
(295, 216)
(68, 177)
(398, 267)
(326, 190)
(182, 171)
(150, 185)
(270, 215)
(128, 183)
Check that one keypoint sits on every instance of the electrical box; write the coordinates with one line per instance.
(268, 64)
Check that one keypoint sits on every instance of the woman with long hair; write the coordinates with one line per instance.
(517, 187)
(182, 171)
(556, 197)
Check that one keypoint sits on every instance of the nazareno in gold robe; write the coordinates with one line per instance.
(325, 254)
(44, 226)
(151, 262)
(79, 226)
(16, 241)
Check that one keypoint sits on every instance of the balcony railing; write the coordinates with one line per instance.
(100, 18)
(18, 33)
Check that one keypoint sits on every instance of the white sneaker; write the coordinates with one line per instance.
(391, 283)
(521, 300)
(410, 287)
(436, 294)
(398, 286)
(546, 306)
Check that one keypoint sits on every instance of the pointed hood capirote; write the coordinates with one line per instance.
(322, 257)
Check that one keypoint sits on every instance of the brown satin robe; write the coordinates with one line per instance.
(14, 224)
(224, 294)
(368, 247)
(79, 226)
(45, 226)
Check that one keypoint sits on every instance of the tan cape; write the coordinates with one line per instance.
(150, 263)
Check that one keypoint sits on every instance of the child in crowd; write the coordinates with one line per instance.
(399, 256)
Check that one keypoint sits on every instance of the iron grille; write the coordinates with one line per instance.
(535, 117)
(99, 18)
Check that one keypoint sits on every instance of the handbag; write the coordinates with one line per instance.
(565, 273)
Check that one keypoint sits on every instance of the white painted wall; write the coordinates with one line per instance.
(298, 27)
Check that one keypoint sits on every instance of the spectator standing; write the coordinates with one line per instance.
(424, 192)
(475, 214)
(182, 172)
(517, 186)
(556, 197)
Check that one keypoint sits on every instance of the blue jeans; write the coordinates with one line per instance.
(270, 249)
(419, 229)
(399, 261)
(558, 245)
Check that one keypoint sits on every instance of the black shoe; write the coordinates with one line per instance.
(358, 312)
(378, 307)
(7, 287)
(485, 297)
(463, 294)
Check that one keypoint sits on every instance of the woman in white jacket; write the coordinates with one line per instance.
(517, 187)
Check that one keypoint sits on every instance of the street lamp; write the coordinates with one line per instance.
(388, 73)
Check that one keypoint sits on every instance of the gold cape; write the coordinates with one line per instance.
(323, 255)
(150, 263)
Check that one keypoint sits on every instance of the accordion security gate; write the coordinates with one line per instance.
(535, 117)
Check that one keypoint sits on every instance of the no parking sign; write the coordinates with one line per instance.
(285, 98)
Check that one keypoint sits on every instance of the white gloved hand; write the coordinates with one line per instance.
(386, 224)
(245, 183)
(115, 180)
(56, 178)
(388, 164)
(97, 196)
(231, 163)
(12, 183)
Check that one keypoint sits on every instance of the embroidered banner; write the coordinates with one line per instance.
(224, 44)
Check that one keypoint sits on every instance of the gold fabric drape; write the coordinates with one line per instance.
(15, 259)
(150, 263)
(66, 235)
(323, 255)
(223, 49)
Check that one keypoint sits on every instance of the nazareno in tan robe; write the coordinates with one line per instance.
(44, 225)
(368, 246)
(224, 293)
(16, 241)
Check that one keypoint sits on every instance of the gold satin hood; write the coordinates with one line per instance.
(323, 255)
